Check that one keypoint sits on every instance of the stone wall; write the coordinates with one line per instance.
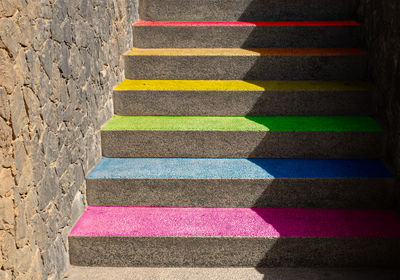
(381, 22)
(59, 60)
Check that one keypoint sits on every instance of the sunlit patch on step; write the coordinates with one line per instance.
(208, 168)
(250, 222)
(244, 123)
(238, 85)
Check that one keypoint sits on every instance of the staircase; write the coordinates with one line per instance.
(242, 136)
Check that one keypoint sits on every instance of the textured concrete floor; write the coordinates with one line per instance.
(128, 273)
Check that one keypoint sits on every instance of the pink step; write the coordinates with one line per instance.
(246, 23)
(231, 222)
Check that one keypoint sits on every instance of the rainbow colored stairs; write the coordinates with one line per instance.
(240, 140)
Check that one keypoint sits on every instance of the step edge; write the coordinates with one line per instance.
(149, 23)
(238, 52)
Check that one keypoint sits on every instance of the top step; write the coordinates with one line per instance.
(247, 10)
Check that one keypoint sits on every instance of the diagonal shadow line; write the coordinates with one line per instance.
(255, 11)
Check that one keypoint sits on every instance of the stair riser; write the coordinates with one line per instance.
(240, 144)
(246, 37)
(257, 10)
(369, 193)
(238, 103)
(253, 67)
(234, 251)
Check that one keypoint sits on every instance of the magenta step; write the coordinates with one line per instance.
(254, 222)
(215, 237)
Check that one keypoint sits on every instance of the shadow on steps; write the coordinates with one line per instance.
(282, 249)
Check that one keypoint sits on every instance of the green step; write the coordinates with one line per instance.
(244, 123)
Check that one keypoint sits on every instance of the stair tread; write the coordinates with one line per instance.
(229, 273)
(235, 222)
(240, 85)
(244, 123)
(243, 52)
(238, 168)
(246, 23)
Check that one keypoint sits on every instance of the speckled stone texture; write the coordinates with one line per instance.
(246, 36)
(219, 97)
(59, 62)
(234, 251)
(252, 144)
(240, 103)
(372, 193)
(250, 67)
(247, 9)
(381, 23)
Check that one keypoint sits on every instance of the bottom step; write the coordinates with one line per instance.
(151, 273)
(261, 237)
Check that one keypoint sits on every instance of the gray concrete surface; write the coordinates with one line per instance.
(240, 103)
(247, 67)
(371, 193)
(231, 273)
(247, 9)
(234, 251)
(242, 144)
(246, 36)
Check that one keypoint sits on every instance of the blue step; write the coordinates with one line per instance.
(207, 168)
(238, 182)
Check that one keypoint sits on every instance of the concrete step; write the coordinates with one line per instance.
(230, 10)
(242, 136)
(229, 273)
(245, 64)
(228, 182)
(241, 34)
(237, 98)
(215, 237)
